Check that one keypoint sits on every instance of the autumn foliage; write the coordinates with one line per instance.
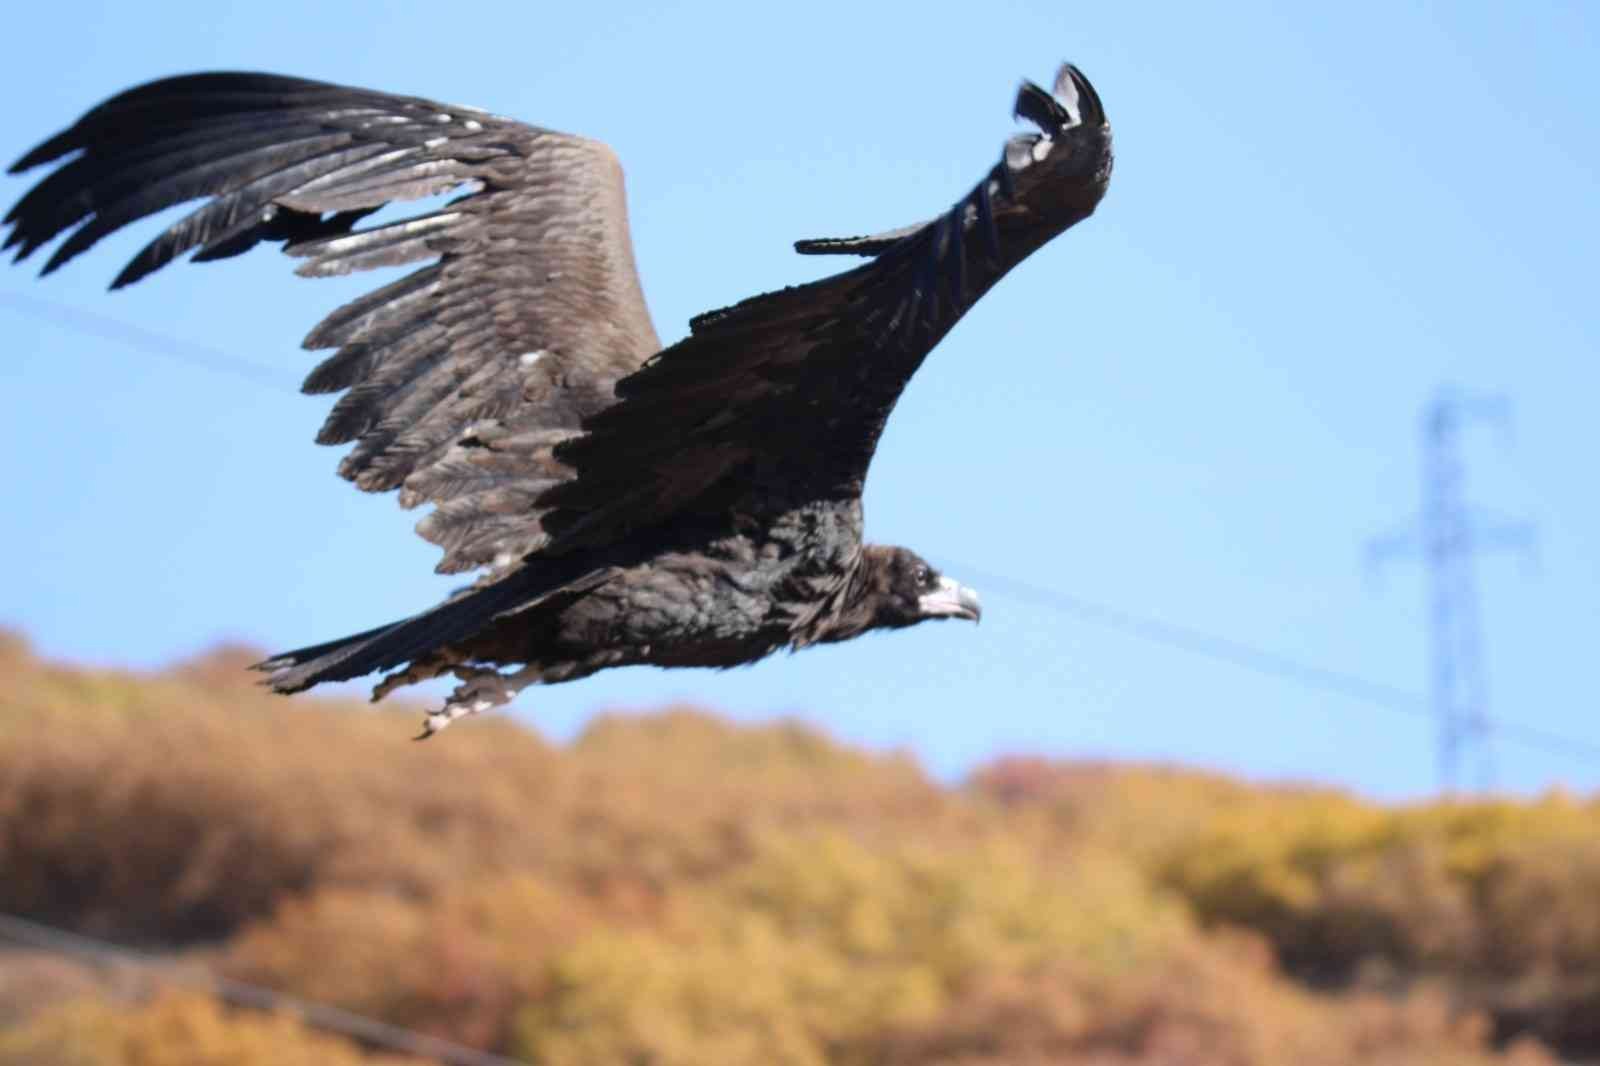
(672, 889)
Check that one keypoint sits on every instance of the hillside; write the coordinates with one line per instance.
(674, 889)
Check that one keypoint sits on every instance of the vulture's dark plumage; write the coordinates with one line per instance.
(698, 505)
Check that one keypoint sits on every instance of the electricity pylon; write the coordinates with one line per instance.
(1446, 536)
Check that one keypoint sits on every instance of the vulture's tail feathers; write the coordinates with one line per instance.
(389, 646)
(317, 662)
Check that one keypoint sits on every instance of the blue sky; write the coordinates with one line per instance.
(1196, 406)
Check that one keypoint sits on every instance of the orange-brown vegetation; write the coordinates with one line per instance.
(676, 889)
(174, 1029)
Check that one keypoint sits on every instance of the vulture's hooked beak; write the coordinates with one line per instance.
(950, 600)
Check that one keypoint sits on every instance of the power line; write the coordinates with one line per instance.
(161, 344)
(1379, 694)
(1186, 638)
(240, 993)
(1201, 642)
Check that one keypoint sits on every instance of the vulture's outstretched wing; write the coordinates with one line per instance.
(529, 312)
(469, 378)
(792, 389)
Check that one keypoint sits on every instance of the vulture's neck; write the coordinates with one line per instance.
(853, 609)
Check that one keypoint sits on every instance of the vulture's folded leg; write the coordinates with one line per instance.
(424, 669)
(481, 689)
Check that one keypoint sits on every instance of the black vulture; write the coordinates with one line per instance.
(695, 505)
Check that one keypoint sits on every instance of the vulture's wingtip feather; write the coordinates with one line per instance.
(1035, 105)
(1072, 101)
(1066, 74)
(47, 152)
(127, 277)
(840, 246)
(876, 244)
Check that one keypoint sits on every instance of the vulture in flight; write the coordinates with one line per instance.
(693, 505)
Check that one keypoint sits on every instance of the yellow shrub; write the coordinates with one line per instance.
(176, 1029)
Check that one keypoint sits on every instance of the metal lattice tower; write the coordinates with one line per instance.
(1446, 537)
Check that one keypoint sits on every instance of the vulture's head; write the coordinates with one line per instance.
(1074, 139)
(897, 587)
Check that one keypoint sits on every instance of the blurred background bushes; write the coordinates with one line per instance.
(674, 889)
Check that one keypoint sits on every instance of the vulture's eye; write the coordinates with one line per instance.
(923, 577)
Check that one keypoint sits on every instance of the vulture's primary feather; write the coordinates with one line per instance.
(698, 505)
